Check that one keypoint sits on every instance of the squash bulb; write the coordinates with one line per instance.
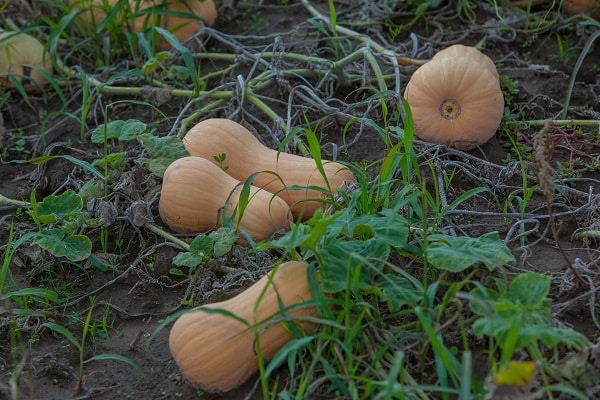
(217, 352)
(589, 7)
(181, 17)
(293, 178)
(23, 57)
(456, 100)
(196, 193)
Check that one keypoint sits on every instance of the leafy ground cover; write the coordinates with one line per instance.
(451, 274)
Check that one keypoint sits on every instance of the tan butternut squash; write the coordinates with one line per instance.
(195, 192)
(217, 352)
(589, 7)
(183, 18)
(23, 58)
(456, 101)
(163, 13)
(278, 172)
(467, 52)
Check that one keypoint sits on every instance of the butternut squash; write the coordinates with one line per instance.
(195, 192)
(456, 101)
(163, 13)
(467, 52)
(23, 57)
(278, 172)
(180, 17)
(217, 352)
(589, 7)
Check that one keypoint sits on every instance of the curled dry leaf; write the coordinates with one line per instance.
(456, 101)
(23, 57)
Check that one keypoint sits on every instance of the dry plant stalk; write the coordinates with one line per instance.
(543, 147)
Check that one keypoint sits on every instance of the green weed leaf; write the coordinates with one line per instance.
(46, 294)
(397, 291)
(202, 246)
(529, 289)
(224, 238)
(73, 247)
(116, 357)
(54, 208)
(63, 331)
(200, 251)
(456, 254)
(361, 259)
(186, 259)
(290, 348)
(86, 166)
(162, 150)
(521, 316)
(119, 129)
(114, 162)
(310, 234)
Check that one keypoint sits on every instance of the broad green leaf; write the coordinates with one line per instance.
(119, 129)
(310, 234)
(530, 289)
(114, 162)
(73, 223)
(187, 259)
(74, 247)
(517, 322)
(224, 238)
(177, 272)
(201, 249)
(91, 189)
(456, 254)
(162, 150)
(397, 291)
(552, 336)
(359, 261)
(54, 208)
(392, 227)
(202, 246)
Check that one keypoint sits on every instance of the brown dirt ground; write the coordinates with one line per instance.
(140, 292)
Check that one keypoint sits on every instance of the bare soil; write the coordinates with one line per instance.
(138, 292)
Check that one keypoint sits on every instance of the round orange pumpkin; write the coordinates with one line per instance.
(455, 101)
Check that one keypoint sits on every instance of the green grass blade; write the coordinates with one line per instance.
(63, 331)
(116, 357)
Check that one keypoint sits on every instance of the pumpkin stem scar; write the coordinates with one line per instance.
(449, 108)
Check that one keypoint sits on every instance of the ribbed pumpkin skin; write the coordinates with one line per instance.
(468, 52)
(194, 192)
(465, 82)
(20, 50)
(218, 353)
(246, 155)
